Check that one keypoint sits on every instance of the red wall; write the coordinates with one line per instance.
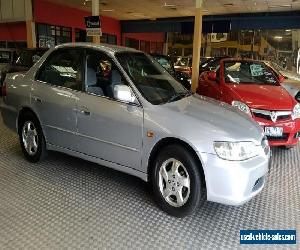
(58, 14)
(13, 31)
(61, 15)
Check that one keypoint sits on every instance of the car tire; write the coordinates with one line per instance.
(31, 138)
(176, 181)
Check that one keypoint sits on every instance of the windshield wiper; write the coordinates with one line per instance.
(179, 96)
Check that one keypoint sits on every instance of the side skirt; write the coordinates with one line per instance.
(99, 161)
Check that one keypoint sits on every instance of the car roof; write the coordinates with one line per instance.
(105, 47)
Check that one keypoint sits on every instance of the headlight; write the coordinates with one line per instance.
(242, 107)
(296, 112)
(236, 151)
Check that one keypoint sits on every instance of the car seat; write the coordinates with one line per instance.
(91, 82)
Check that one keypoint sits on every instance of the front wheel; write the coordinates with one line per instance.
(176, 181)
(31, 138)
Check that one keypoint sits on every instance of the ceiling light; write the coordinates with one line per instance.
(281, 6)
(278, 37)
(107, 10)
(167, 5)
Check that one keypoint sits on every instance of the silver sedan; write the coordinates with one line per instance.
(117, 107)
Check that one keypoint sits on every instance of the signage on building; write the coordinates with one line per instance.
(93, 26)
(218, 37)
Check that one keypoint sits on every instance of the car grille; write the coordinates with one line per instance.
(272, 115)
(284, 137)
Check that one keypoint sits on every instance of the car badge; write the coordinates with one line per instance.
(274, 116)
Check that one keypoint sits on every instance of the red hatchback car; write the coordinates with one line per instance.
(252, 87)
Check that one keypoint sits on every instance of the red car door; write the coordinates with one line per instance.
(210, 85)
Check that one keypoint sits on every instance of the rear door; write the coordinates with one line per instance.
(54, 96)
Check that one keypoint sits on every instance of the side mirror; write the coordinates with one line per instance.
(212, 76)
(124, 93)
(281, 78)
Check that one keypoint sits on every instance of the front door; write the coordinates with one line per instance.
(54, 96)
(108, 128)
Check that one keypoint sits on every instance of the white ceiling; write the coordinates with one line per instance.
(152, 9)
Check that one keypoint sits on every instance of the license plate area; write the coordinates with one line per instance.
(274, 131)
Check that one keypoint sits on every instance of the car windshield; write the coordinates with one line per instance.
(210, 64)
(153, 82)
(248, 72)
(182, 62)
(275, 66)
(165, 62)
(5, 57)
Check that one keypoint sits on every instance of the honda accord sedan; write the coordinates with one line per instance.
(116, 107)
(252, 87)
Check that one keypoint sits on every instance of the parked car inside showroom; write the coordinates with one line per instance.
(6, 60)
(18, 61)
(184, 64)
(288, 79)
(252, 87)
(114, 106)
(166, 63)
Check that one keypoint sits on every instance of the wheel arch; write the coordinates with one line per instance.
(22, 112)
(173, 140)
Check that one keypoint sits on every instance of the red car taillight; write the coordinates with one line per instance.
(3, 90)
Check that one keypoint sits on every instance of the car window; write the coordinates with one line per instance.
(248, 72)
(102, 75)
(153, 82)
(28, 57)
(5, 57)
(62, 68)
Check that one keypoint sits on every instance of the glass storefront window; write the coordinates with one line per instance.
(279, 46)
(50, 35)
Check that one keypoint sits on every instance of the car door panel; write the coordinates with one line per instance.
(54, 96)
(57, 112)
(110, 130)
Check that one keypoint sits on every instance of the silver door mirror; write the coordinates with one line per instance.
(124, 93)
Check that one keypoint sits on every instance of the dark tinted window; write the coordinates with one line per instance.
(166, 62)
(63, 68)
(29, 57)
(5, 57)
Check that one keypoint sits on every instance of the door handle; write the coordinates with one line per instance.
(37, 99)
(84, 111)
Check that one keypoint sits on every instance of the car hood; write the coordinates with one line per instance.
(209, 119)
(263, 96)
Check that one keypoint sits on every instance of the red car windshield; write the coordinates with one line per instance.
(248, 72)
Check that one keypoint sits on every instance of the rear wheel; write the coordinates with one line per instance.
(31, 138)
(176, 181)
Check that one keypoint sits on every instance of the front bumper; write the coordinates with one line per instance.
(291, 131)
(234, 182)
